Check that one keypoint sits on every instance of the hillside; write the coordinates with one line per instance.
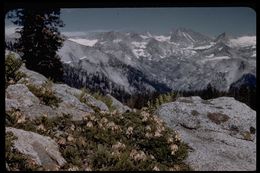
(55, 127)
(52, 126)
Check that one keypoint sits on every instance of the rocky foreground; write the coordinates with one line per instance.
(53, 126)
(221, 132)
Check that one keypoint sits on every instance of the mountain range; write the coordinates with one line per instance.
(183, 60)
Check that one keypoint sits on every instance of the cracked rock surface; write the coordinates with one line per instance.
(220, 132)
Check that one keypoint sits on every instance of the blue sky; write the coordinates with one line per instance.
(211, 21)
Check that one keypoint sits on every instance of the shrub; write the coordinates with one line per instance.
(105, 141)
(12, 65)
(45, 93)
(161, 99)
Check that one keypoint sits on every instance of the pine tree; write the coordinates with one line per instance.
(39, 40)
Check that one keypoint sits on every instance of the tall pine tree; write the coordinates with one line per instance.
(40, 39)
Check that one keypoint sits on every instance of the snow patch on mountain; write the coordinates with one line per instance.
(141, 45)
(67, 62)
(117, 40)
(139, 49)
(210, 56)
(84, 42)
(144, 36)
(84, 57)
(254, 54)
(162, 38)
(215, 58)
(188, 37)
(204, 47)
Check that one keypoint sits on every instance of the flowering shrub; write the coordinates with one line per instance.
(107, 141)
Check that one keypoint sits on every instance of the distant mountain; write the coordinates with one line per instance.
(188, 37)
(133, 62)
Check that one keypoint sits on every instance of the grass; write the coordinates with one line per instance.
(45, 93)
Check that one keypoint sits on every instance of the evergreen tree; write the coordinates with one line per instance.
(39, 40)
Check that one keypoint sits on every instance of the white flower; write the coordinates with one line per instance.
(41, 127)
(156, 168)
(89, 124)
(170, 140)
(148, 128)
(145, 116)
(173, 148)
(157, 133)
(148, 135)
(70, 138)
(138, 155)
(87, 169)
(171, 169)
(22, 120)
(92, 117)
(103, 112)
(62, 141)
(157, 120)
(74, 168)
(129, 131)
(177, 137)
(72, 127)
(118, 146)
(144, 119)
(104, 120)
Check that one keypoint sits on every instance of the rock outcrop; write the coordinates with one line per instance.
(118, 105)
(32, 77)
(42, 149)
(220, 132)
(19, 97)
(94, 102)
(22, 95)
(70, 103)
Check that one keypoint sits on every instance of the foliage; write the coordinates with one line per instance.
(12, 65)
(40, 39)
(45, 93)
(161, 99)
(113, 141)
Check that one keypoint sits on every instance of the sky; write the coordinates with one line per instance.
(210, 21)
